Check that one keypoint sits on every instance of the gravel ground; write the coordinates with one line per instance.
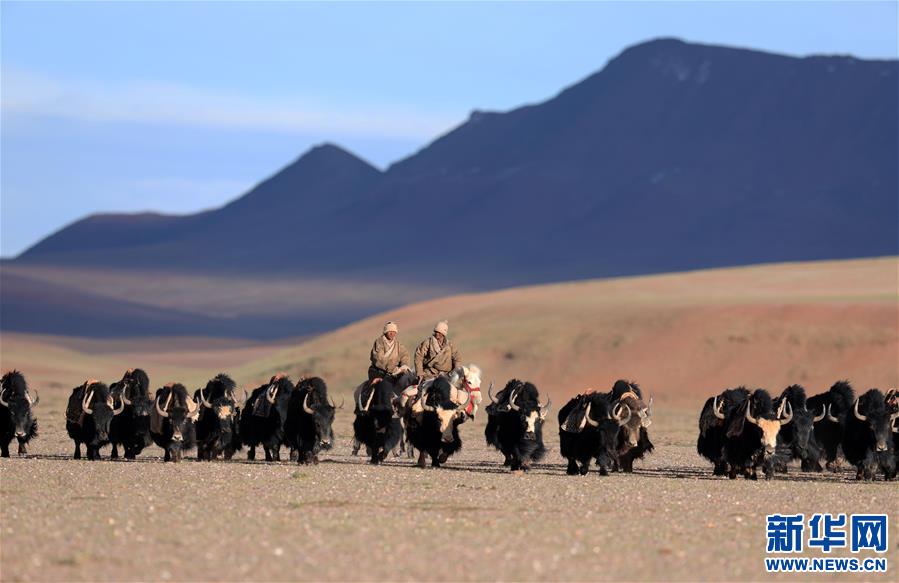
(66, 520)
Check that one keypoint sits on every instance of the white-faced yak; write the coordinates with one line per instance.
(172, 422)
(432, 421)
(218, 424)
(131, 428)
(89, 415)
(263, 417)
(751, 439)
(17, 418)
(310, 414)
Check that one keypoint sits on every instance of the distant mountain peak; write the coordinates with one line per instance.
(331, 157)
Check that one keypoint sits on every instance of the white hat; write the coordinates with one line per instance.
(442, 326)
(390, 327)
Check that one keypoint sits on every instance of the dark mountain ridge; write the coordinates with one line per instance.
(674, 156)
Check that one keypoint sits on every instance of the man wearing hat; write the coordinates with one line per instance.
(388, 355)
(436, 355)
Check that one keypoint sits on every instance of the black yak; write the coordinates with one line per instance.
(633, 437)
(172, 421)
(310, 414)
(589, 427)
(751, 439)
(835, 405)
(498, 405)
(17, 418)
(377, 425)
(432, 422)
(217, 426)
(263, 416)
(131, 428)
(867, 436)
(89, 415)
(519, 428)
(796, 440)
(713, 426)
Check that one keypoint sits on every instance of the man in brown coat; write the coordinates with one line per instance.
(436, 355)
(388, 355)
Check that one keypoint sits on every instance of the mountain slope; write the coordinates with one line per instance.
(244, 233)
(716, 155)
(674, 156)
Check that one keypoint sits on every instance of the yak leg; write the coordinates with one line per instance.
(268, 453)
(77, 455)
(356, 445)
(114, 454)
(572, 469)
(4, 449)
(168, 455)
(422, 459)
(294, 455)
(720, 469)
(251, 453)
(22, 449)
(276, 453)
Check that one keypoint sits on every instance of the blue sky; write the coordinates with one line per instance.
(181, 107)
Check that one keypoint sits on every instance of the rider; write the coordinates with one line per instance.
(388, 355)
(436, 355)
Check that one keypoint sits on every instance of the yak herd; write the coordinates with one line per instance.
(739, 431)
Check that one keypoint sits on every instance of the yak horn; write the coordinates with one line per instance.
(787, 413)
(622, 422)
(512, 404)
(749, 416)
(830, 415)
(717, 410)
(587, 418)
(465, 404)
(817, 418)
(192, 412)
(203, 400)
(649, 407)
(86, 402)
(894, 427)
(367, 403)
(123, 393)
(35, 400)
(162, 411)
(120, 408)
(544, 409)
(306, 406)
(271, 392)
(490, 393)
(3, 402)
(858, 415)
